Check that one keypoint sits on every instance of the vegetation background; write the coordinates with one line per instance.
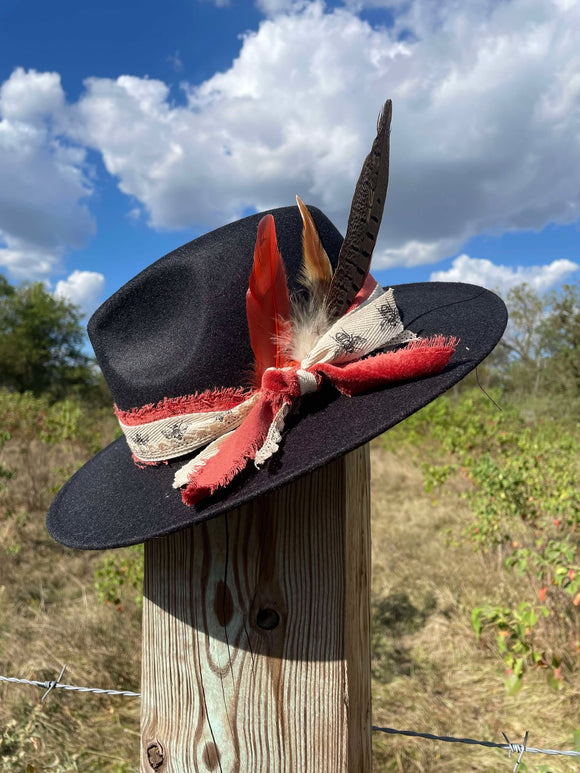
(476, 560)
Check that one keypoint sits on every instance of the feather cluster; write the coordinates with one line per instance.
(283, 330)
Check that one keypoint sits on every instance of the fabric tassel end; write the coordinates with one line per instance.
(419, 358)
(233, 456)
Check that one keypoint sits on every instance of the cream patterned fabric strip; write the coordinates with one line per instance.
(373, 325)
(176, 436)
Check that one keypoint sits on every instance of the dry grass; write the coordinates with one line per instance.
(49, 616)
(430, 673)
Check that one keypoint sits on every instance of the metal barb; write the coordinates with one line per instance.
(522, 752)
(51, 685)
(516, 747)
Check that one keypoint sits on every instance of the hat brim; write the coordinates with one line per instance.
(110, 502)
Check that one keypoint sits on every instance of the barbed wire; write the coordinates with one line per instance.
(512, 748)
(51, 685)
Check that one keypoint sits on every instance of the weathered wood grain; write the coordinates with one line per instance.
(256, 634)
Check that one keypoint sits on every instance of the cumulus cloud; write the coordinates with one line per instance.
(484, 140)
(83, 288)
(294, 114)
(24, 262)
(30, 96)
(43, 180)
(275, 7)
(497, 277)
(486, 97)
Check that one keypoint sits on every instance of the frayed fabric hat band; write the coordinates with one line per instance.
(237, 426)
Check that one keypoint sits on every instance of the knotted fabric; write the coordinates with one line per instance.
(355, 355)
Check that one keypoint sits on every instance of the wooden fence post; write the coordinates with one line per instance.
(256, 634)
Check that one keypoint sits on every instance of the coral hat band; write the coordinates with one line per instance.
(240, 426)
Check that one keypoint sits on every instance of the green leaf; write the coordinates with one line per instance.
(513, 684)
(519, 667)
(476, 621)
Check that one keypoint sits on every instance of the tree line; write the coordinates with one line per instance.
(42, 346)
(538, 357)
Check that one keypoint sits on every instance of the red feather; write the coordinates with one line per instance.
(267, 301)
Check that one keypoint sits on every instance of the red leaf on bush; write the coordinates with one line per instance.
(542, 593)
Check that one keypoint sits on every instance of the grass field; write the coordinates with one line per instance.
(430, 673)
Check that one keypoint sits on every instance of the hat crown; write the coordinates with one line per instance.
(180, 327)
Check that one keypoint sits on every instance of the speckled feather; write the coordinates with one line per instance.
(364, 221)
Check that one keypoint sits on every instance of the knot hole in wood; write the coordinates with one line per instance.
(155, 755)
(267, 619)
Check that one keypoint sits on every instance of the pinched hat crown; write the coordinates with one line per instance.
(180, 326)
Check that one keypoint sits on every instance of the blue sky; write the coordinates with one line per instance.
(127, 129)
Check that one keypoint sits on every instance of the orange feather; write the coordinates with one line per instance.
(267, 302)
(316, 273)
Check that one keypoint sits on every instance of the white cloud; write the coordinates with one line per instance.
(483, 272)
(43, 181)
(415, 253)
(486, 97)
(29, 97)
(26, 262)
(276, 7)
(83, 288)
(243, 141)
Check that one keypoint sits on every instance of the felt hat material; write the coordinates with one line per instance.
(180, 327)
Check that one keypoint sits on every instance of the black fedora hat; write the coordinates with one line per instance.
(180, 328)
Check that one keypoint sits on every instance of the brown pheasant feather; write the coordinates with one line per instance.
(364, 221)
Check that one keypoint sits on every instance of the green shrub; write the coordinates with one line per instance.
(42, 443)
(119, 577)
(523, 479)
